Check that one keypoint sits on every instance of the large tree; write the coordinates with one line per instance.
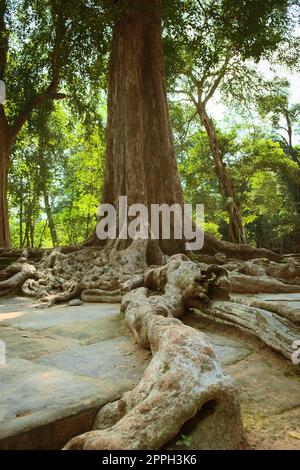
(284, 119)
(184, 373)
(140, 158)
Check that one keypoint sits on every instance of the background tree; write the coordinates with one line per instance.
(284, 118)
(65, 159)
(208, 58)
(49, 49)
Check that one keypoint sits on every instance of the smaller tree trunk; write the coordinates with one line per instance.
(5, 241)
(42, 234)
(48, 210)
(21, 216)
(236, 233)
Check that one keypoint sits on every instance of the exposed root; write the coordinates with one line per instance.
(275, 331)
(213, 245)
(15, 275)
(100, 295)
(283, 309)
(183, 375)
(256, 284)
(287, 271)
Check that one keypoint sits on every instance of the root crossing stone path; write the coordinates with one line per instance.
(66, 362)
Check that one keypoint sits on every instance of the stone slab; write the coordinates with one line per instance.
(229, 351)
(117, 359)
(61, 316)
(15, 307)
(270, 400)
(34, 395)
(267, 384)
(32, 345)
(89, 331)
(42, 405)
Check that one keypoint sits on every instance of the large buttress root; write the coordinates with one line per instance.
(183, 375)
(213, 245)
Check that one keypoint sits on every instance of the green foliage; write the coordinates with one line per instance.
(62, 46)
(81, 186)
(66, 160)
(184, 441)
(261, 173)
(199, 34)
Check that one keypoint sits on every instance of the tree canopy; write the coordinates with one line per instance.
(54, 61)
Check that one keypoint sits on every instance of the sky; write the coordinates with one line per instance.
(221, 113)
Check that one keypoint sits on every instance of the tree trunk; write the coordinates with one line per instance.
(21, 215)
(5, 241)
(236, 233)
(140, 158)
(48, 210)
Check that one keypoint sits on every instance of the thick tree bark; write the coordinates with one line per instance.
(140, 158)
(5, 141)
(236, 233)
(21, 216)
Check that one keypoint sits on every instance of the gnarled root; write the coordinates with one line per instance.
(94, 273)
(263, 275)
(213, 245)
(195, 283)
(244, 284)
(275, 331)
(100, 295)
(15, 275)
(183, 375)
(283, 309)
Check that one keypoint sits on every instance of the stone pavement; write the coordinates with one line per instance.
(65, 362)
(62, 365)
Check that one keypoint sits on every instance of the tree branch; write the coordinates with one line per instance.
(51, 91)
(218, 80)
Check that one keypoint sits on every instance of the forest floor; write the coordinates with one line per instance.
(65, 362)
